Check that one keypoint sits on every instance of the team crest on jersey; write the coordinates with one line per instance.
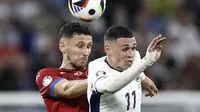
(100, 73)
(46, 80)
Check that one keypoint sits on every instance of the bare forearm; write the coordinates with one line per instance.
(76, 88)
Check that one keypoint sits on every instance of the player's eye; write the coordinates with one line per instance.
(125, 49)
(89, 46)
(80, 45)
(133, 48)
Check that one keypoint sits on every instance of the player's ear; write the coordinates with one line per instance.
(62, 46)
(106, 49)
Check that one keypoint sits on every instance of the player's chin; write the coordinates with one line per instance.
(82, 64)
(128, 64)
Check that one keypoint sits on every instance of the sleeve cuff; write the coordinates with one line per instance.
(52, 87)
(95, 89)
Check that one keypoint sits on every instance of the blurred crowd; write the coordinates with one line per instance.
(29, 38)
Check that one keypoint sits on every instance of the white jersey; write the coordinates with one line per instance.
(127, 99)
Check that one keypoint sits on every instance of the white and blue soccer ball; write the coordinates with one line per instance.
(87, 10)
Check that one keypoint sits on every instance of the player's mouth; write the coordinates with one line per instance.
(129, 61)
(84, 60)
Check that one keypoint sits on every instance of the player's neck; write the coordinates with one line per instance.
(112, 65)
(66, 65)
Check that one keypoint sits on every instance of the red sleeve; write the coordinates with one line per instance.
(46, 79)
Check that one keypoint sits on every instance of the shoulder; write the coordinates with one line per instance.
(98, 61)
(48, 71)
(47, 75)
(98, 67)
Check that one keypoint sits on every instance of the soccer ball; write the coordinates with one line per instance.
(87, 10)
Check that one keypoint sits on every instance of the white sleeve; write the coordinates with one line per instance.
(105, 83)
(137, 60)
(142, 76)
(96, 76)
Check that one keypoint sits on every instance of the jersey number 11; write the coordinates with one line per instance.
(128, 96)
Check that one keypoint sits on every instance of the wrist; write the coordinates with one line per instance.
(147, 62)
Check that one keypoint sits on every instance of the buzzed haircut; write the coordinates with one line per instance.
(115, 32)
(74, 28)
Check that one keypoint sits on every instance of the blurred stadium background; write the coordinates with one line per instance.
(29, 37)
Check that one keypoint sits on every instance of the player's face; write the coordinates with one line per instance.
(77, 50)
(122, 52)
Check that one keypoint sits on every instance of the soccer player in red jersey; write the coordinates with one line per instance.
(64, 89)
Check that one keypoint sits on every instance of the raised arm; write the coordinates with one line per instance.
(109, 84)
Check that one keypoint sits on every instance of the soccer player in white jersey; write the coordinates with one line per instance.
(115, 80)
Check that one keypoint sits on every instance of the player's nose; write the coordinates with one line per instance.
(86, 52)
(130, 54)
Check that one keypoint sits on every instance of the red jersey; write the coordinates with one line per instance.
(46, 80)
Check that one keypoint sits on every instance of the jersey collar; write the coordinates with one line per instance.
(71, 70)
(106, 61)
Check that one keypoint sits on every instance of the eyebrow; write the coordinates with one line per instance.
(80, 42)
(90, 43)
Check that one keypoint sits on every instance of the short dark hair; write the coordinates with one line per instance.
(74, 28)
(115, 32)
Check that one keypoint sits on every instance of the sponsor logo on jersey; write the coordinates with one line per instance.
(78, 73)
(47, 80)
(100, 73)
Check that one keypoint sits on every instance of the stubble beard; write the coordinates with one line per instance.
(74, 64)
